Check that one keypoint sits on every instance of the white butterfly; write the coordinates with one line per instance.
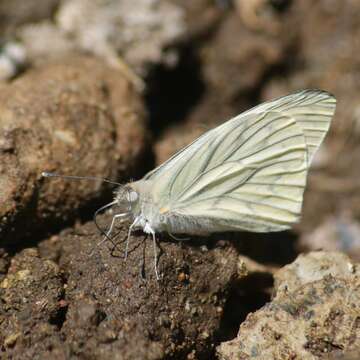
(246, 174)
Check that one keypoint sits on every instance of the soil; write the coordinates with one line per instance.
(58, 119)
(64, 297)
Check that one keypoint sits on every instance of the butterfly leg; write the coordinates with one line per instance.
(128, 237)
(107, 235)
(155, 255)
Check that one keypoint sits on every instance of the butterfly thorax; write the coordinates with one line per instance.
(145, 211)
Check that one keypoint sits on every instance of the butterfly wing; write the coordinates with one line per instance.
(248, 173)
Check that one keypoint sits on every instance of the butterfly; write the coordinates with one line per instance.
(247, 174)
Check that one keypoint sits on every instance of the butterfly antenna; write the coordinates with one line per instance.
(72, 177)
(102, 231)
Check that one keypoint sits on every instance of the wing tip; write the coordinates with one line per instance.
(315, 92)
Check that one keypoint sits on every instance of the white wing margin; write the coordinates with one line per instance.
(248, 173)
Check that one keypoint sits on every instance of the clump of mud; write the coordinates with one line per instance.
(57, 118)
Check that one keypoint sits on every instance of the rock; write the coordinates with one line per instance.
(4, 262)
(74, 117)
(44, 42)
(336, 233)
(124, 310)
(116, 31)
(107, 28)
(314, 312)
(312, 267)
(247, 266)
(231, 69)
(340, 355)
(17, 12)
(260, 15)
(30, 305)
(28, 271)
(234, 66)
(202, 18)
(12, 60)
(175, 139)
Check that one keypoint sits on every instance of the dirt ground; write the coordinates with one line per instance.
(113, 88)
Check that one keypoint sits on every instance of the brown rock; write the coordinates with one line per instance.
(30, 305)
(336, 233)
(315, 312)
(73, 117)
(233, 61)
(126, 313)
(17, 12)
(237, 58)
(312, 267)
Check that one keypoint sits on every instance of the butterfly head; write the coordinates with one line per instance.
(126, 198)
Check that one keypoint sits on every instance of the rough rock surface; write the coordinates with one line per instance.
(111, 309)
(232, 67)
(74, 117)
(140, 30)
(336, 233)
(31, 304)
(140, 33)
(315, 311)
(17, 12)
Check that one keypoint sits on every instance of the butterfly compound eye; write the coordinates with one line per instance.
(132, 196)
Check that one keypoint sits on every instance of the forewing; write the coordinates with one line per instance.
(250, 172)
(260, 189)
(311, 109)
